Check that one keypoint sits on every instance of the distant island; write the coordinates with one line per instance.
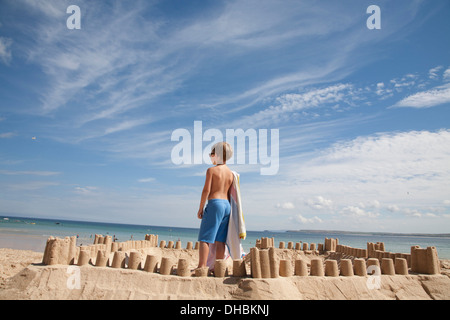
(371, 233)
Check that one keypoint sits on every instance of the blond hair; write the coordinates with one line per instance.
(223, 151)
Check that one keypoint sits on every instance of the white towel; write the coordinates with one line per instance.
(236, 225)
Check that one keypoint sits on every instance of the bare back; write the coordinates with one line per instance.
(222, 179)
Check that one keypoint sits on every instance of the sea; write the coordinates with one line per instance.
(32, 234)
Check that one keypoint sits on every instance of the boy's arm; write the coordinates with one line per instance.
(205, 193)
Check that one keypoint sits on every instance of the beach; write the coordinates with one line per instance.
(25, 277)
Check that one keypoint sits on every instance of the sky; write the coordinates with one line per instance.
(108, 113)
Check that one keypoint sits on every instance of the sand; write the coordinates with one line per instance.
(22, 277)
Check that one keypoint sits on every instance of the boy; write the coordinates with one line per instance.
(215, 217)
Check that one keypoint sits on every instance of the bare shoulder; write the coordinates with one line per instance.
(230, 173)
(222, 171)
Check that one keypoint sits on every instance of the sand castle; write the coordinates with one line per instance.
(329, 259)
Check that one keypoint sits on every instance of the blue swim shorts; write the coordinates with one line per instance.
(214, 226)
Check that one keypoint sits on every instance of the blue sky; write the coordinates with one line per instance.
(86, 115)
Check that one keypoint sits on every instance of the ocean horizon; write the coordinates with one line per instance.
(28, 233)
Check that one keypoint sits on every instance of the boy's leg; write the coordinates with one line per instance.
(203, 254)
(220, 250)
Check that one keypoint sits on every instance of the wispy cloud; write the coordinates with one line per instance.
(434, 72)
(6, 135)
(99, 59)
(299, 218)
(292, 104)
(86, 191)
(427, 99)
(32, 185)
(33, 173)
(145, 180)
(446, 75)
(5, 50)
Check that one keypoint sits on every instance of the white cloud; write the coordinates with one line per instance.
(6, 135)
(126, 125)
(380, 88)
(406, 81)
(368, 175)
(145, 180)
(433, 73)
(426, 99)
(356, 212)
(412, 213)
(5, 50)
(285, 205)
(446, 75)
(87, 190)
(288, 104)
(319, 202)
(301, 219)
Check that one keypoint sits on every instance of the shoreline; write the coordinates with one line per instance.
(23, 242)
(309, 231)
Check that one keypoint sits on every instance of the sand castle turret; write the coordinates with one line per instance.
(387, 266)
(102, 259)
(331, 268)
(317, 268)
(134, 261)
(220, 268)
(301, 268)
(330, 244)
(401, 266)
(255, 263)
(60, 251)
(151, 264)
(285, 268)
(239, 268)
(183, 268)
(359, 267)
(166, 267)
(425, 260)
(118, 260)
(346, 268)
(84, 257)
(264, 263)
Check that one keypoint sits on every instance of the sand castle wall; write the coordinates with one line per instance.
(263, 260)
(423, 261)
(65, 251)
